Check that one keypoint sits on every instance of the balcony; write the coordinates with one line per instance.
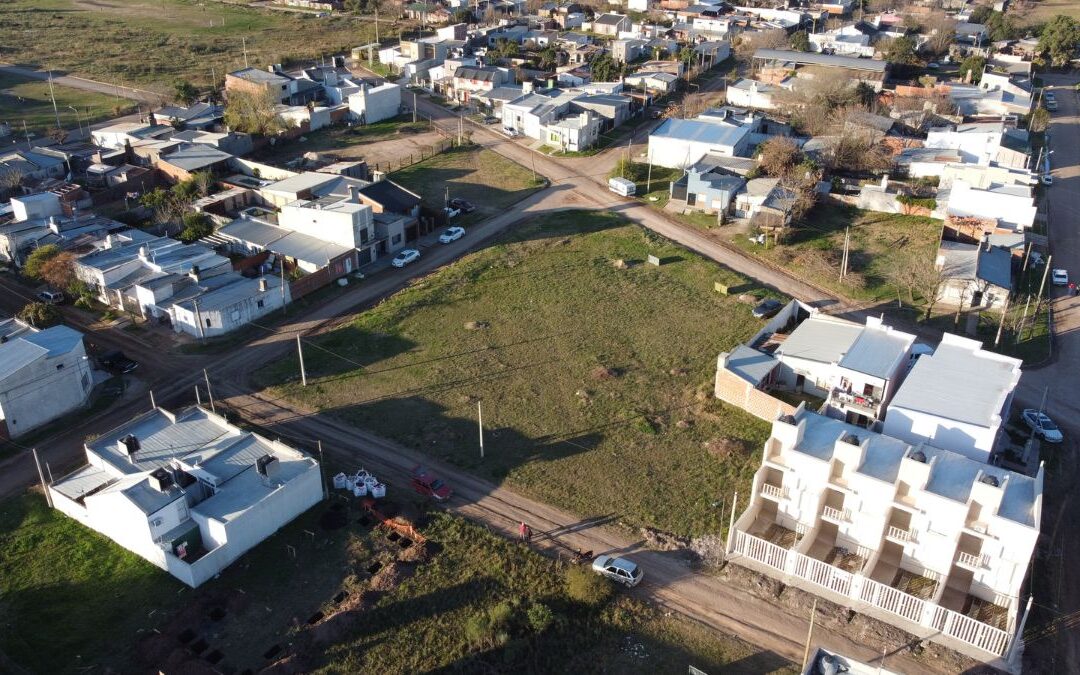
(866, 405)
(900, 535)
(972, 561)
(774, 492)
(836, 515)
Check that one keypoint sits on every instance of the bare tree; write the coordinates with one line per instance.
(767, 39)
(779, 155)
(942, 31)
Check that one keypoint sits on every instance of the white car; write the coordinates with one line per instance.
(1059, 277)
(451, 212)
(1042, 425)
(51, 297)
(619, 570)
(405, 256)
(512, 133)
(451, 234)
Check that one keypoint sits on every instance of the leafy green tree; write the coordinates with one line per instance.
(185, 92)
(1001, 27)
(36, 260)
(548, 57)
(196, 226)
(40, 314)
(973, 64)
(1059, 39)
(540, 617)
(253, 113)
(865, 94)
(901, 51)
(800, 41)
(506, 49)
(463, 15)
(605, 69)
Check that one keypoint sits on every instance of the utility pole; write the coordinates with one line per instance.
(480, 426)
(376, 25)
(300, 351)
(53, 98)
(41, 475)
(198, 398)
(446, 197)
(648, 180)
(414, 107)
(809, 635)
(284, 311)
(153, 405)
(1023, 320)
(844, 257)
(244, 42)
(1042, 286)
(1001, 324)
(209, 391)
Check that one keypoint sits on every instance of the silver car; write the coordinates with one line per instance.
(619, 570)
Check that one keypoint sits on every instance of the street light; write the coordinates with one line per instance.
(78, 120)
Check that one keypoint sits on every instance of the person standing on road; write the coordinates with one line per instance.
(528, 534)
(522, 530)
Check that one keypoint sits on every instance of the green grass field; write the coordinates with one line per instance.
(879, 242)
(596, 381)
(74, 602)
(26, 100)
(154, 42)
(485, 178)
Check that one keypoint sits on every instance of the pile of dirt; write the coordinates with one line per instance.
(619, 264)
(679, 372)
(684, 424)
(390, 576)
(722, 448)
(748, 299)
(339, 625)
(477, 325)
(417, 553)
(293, 664)
(604, 373)
(663, 541)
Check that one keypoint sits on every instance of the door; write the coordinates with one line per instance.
(800, 380)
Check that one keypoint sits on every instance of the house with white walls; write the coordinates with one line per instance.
(991, 143)
(956, 398)
(678, 144)
(375, 104)
(746, 93)
(187, 490)
(924, 538)
(44, 374)
(1011, 205)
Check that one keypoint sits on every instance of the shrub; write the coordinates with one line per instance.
(540, 617)
(583, 585)
(37, 259)
(40, 314)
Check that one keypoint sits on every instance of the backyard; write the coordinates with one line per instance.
(880, 243)
(27, 100)
(154, 42)
(485, 178)
(332, 594)
(594, 370)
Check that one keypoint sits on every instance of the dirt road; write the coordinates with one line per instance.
(142, 95)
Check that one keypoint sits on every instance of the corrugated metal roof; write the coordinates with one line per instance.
(252, 232)
(750, 364)
(812, 58)
(16, 355)
(57, 339)
(701, 132)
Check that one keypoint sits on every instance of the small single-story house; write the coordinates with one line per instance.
(975, 275)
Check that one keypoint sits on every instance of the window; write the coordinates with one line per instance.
(59, 366)
(259, 304)
(396, 239)
(208, 324)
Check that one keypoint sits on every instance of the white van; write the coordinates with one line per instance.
(622, 186)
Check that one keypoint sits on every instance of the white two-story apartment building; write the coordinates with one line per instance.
(188, 491)
(915, 535)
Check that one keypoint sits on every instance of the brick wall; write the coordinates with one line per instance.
(730, 388)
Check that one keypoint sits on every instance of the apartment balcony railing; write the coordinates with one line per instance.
(867, 403)
(814, 574)
(900, 534)
(836, 515)
(773, 491)
(973, 561)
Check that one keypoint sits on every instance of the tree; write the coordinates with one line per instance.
(39, 314)
(253, 113)
(1038, 120)
(1059, 39)
(865, 94)
(767, 39)
(35, 262)
(59, 271)
(58, 134)
(185, 92)
(901, 51)
(548, 57)
(605, 69)
(10, 180)
(779, 155)
(463, 15)
(506, 49)
(942, 30)
(973, 64)
(540, 617)
(800, 41)
(196, 226)
(587, 587)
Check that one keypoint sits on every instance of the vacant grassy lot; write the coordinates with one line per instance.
(389, 143)
(75, 602)
(879, 243)
(596, 381)
(485, 178)
(1042, 11)
(25, 100)
(153, 42)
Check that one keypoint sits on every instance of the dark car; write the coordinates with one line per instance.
(767, 308)
(428, 485)
(117, 362)
(463, 205)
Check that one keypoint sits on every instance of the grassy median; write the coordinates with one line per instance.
(594, 370)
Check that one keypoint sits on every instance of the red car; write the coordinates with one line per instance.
(428, 485)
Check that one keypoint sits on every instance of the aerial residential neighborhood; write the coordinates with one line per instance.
(539, 336)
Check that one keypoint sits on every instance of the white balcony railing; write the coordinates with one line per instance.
(900, 534)
(839, 515)
(972, 560)
(772, 491)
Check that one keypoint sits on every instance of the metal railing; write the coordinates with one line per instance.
(842, 515)
(973, 560)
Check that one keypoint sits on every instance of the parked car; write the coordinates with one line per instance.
(1059, 277)
(1049, 97)
(491, 119)
(451, 212)
(117, 362)
(512, 133)
(1042, 425)
(463, 205)
(51, 297)
(1051, 106)
(933, 65)
(619, 570)
(423, 482)
(451, 234)
(405, 256)
(767, 308)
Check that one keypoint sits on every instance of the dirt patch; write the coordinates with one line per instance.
(722, 448)
(663, 541)
(390, 576)
(477, 325)
(604, 373)
(418, 553)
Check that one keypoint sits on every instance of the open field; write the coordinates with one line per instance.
(1039, 12)
(158, 41)
(25, 100)
(75, 602)
(596, 381)
(485, 178)
(880, 242)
